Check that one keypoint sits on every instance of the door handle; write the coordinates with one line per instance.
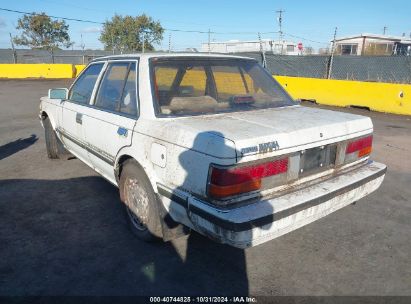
(79, 118)
(122, 131)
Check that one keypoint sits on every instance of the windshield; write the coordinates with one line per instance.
(194, 86)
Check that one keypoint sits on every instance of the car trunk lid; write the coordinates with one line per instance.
(265, 133)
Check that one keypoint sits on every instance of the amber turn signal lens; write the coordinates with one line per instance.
(365, 151)
(226, 191)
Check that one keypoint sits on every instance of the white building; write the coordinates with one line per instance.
(237, 46)
(371, 44)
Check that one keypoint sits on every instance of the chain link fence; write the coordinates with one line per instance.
(44, 56)
(391, 69)
(394, 69)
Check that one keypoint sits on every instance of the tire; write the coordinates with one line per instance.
(140, 203)
(53, 145)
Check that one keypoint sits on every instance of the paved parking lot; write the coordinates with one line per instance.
(63, 232)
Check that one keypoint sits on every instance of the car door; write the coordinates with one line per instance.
(80, 94)
(109, 127)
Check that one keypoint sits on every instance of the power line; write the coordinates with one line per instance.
(167, 29)
(60, 3)
(96, 22)
(64, 18)
(302, 38)
(188, 31)
(110, 12)
(217, 33)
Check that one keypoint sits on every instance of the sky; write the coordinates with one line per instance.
(310, 22)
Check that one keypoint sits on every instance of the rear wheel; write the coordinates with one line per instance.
(140, 203)
(54, 146)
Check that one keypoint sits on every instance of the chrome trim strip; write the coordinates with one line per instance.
(104, 156)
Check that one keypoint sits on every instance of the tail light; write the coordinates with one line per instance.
(226, 182)
(358, 148)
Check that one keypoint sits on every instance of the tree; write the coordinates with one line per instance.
(40, 31)
(126, 33)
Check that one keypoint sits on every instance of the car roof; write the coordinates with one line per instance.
(167, 55)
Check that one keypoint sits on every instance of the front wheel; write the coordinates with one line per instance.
(54, 146)
(140, 203)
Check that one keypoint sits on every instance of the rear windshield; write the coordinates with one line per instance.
(205, 86)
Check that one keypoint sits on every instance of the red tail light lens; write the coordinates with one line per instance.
(358, 148)
(232, 181)
(359, 144)
(362, 145)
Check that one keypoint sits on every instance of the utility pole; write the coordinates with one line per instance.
(52, 55)
(280, 24)
(169, 42)
(385, 30)
(14, 50)
(82, 45)
(330, 66)
(209, 41)
(262, 51)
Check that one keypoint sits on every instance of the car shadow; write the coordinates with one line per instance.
(16, 146)
(69, 237)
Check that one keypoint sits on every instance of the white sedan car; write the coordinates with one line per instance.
(211, 143)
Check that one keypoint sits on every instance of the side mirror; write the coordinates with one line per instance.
(60, 93)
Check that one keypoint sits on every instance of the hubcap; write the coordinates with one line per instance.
(137, 202)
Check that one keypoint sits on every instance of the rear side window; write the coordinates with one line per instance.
(128, 103)
(117, 90)
(83, 87)
(112, 86)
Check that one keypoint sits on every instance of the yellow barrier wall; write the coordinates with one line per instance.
(37, 71)
(382, 97)
(79, 68)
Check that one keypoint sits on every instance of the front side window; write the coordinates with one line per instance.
(83, 87)
(117, 90)
(193, 86)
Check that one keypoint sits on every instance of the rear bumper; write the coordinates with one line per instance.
(267, 219)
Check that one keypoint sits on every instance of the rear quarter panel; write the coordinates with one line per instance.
(177, 157)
